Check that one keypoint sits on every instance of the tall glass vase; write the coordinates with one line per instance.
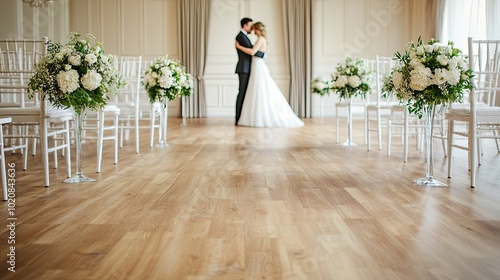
(163, 126)
(79, 118)
(348, 142)
(428, 180)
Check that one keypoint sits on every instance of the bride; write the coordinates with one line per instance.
(264, 104)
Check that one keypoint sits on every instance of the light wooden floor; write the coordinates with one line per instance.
(225, 202)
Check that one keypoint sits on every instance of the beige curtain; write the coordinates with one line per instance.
(194, 18)
(438, 7)
(421, 16)
(298, 23)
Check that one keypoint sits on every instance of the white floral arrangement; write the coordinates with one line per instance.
(78, 75)
(428, 74)
(351, 78)
(321, 86)
(166, 79)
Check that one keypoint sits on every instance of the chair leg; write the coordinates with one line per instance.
(2, 166)
(100, 139)
(379, 129)
(472, 153)
(116, 138)
(450, 148)
(45, 153)
(56, 163)
(337, 124)
(368, 142)
(405, 135)
(25, 155)
(443, 138)
(121, 134)
(152, 127)
(137, 133)
(389, 137)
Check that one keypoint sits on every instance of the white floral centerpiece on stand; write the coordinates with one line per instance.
(426, 77)
(321, 86)
(164, 81)
(351, 79)
(80, 76)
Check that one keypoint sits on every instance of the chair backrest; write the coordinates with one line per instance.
(383, 68)
(128, 96)
(18, 59)
(484, 61)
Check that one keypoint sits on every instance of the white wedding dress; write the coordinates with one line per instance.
(264, 104)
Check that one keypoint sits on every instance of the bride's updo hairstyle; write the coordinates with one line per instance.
(260, 26)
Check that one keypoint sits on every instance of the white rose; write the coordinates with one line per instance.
(440, 76)
(428, 48)
(397, 79)
(90, 58)
(453, 62)
(442, 59)
(341, 81)
(104, 58)
(166, 71)
(67, 81)
(75, 60)
(59, 56)
(420, 50)
(462, 63)
(420, 78)
(415, 63)
(320, 85)
(67, 67)
(453, 76)
(438, 48)
(165, 82)
(154, 75)
(348, 71)
(66, 50)
(91, 80)
(354, 81)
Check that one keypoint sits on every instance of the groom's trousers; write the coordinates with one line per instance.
(243, 77)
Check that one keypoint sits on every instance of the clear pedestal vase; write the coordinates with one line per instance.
(184, 109)
(348, 142)
(428, 180)
(163, 126)
(322, 107)
(79, 118)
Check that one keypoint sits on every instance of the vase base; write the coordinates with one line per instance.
(79, 179)
(348, 144)
(429, 182)
(161, 145)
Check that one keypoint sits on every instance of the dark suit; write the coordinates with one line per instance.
(243, 71)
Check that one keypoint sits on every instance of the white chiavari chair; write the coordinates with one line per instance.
(480, 118)
(30, 118)
(128, 98)
(3, 166)
(379, 108)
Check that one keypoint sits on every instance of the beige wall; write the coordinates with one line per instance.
(360, 28)
(19, 20)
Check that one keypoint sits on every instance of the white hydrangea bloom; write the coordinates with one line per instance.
(68, 81)
(420, 78)
(354, 81)
(75, 60)
(91, 80)
(91, 58)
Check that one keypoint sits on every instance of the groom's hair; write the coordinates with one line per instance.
(245, 21)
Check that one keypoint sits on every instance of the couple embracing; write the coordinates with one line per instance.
(260, 102)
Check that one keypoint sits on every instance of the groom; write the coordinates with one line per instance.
(244, 63)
